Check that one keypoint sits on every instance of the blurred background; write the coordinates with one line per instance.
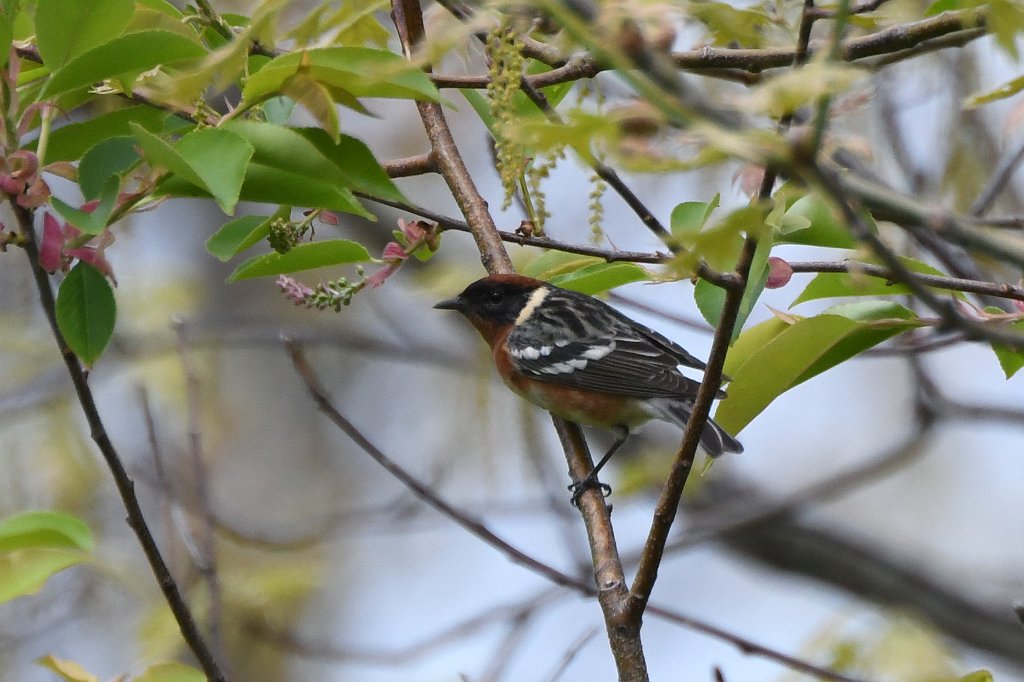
(874, 519)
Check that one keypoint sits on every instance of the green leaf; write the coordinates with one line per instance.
(823, 225)
(228, 240)
(978, 676)
(70, 142)
(360, 71)
(691, 216)
(95, 221)
(65, 30)
(25, 571)
(552, 264)
(287, 168)
(69, 671)
(219, 158)
(600, 277)
(109, 158)
(213, 159)
(1010, 360)
(773, 357)
(128, 54)
(842, 284)
(44, 529)
(302, 257)
(170, 672)
(1008, 89)
(86, 311)
(355, 162)
(710, 298)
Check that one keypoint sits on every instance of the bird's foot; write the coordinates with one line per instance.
(577, 489)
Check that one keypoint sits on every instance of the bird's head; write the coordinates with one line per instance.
(494, 303)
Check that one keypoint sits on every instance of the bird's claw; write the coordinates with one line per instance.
(577, 489)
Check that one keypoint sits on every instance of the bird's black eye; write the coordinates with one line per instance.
(495, 297)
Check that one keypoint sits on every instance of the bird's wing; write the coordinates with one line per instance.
(579, 341)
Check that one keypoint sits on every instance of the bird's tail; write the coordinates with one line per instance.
(713, 438)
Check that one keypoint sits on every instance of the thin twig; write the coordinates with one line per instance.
(125, 487)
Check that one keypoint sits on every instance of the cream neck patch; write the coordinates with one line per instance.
(536, 298)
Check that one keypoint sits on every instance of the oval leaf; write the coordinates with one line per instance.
(48, 529)
(774, 356)
(86, 311)
(601, 277)
(302, 257)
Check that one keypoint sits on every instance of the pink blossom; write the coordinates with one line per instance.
(393, 253)
(294, 290)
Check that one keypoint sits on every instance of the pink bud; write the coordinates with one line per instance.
(329, 217)
(779, 273)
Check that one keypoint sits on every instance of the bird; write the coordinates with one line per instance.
(584, 361)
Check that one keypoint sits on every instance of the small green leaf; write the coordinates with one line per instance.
(95, 221)
(86, 311)
(25, 571)
(710, 298)
(1010, 360)
(978, 676)
(128, 54)
(170, 672)
(600, 277)
(212, 159)
(65, 29)
(552, 264)
(691, 216)
(773, 357)
(229, 239)
(219, 158)
(69, 671)
(1008, 89)
(44, 529)
(108, 158)
(302, 257)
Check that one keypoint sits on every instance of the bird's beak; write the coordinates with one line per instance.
(451, 304)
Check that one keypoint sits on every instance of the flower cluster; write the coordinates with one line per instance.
(325, 295)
